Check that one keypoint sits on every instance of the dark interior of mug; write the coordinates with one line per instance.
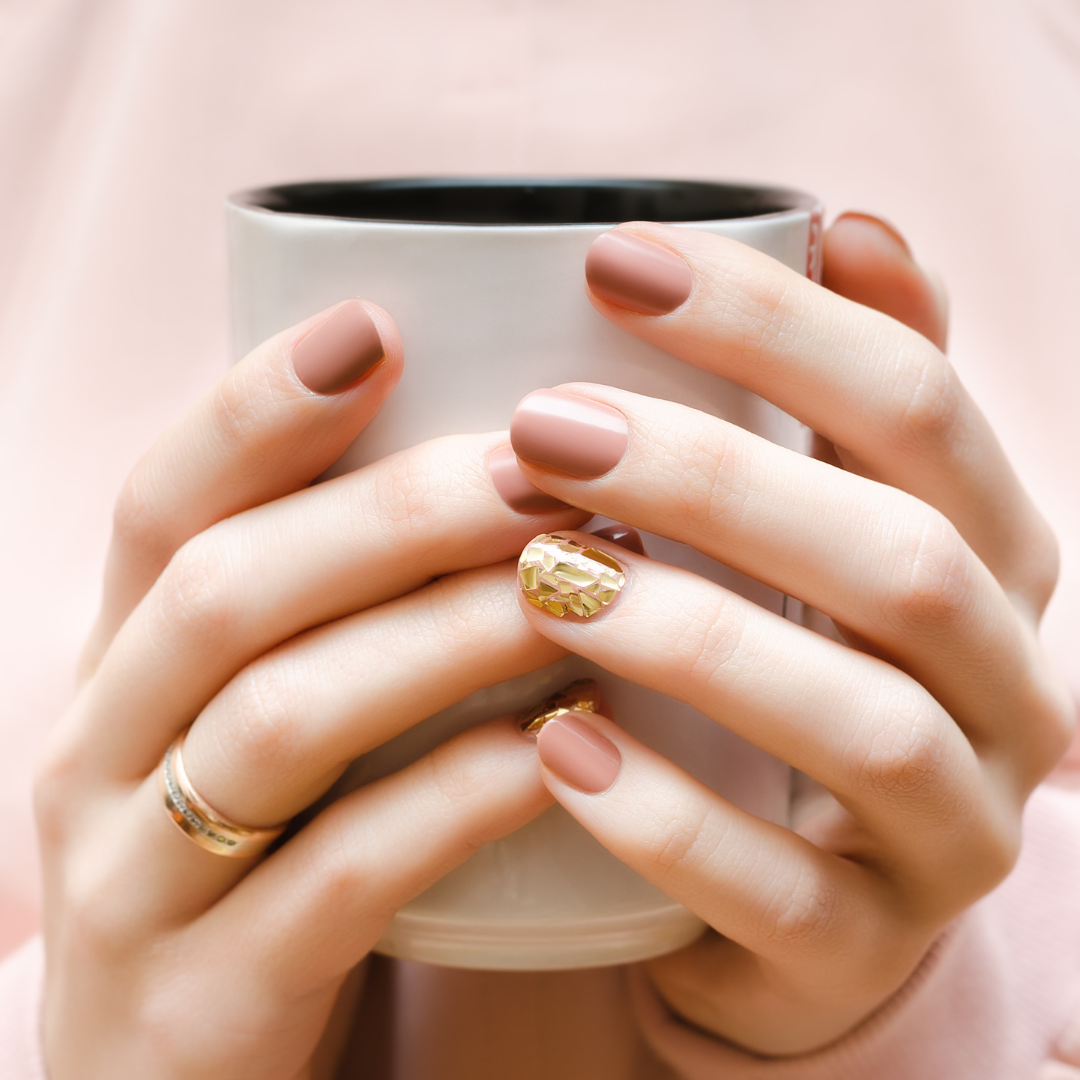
(517, 201)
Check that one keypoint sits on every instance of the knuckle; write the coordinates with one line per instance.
(137, 522)
(154, 1017)
(1038, 564)
(1049, 725)
(454, 614)
(703, 468)
(931, 400)
(932, 582)
(402, 501)
(60, 780)
(413, 491)
(981, 849)
(196, 591)
(94, 921)
(260, 722)
(676, 837)
(724, 492)
(761, 307)
(705, 640)
(800, 917)
(903, 755)
(453, 777)
(341, 872)
(1060, 723)
(451, 615)
(1001, 852)
(52, 797)
(335, 863)
(237, 412)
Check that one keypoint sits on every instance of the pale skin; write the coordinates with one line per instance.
(297, 627)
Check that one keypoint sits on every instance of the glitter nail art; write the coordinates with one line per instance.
(560, 576)
(580, 696)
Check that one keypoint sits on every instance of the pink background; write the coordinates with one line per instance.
(124, 124)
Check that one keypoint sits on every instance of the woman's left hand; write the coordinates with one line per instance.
(930, 727)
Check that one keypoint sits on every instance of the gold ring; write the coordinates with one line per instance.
(580, 696)
(195, 818)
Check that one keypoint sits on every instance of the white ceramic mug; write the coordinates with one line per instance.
(485, 279)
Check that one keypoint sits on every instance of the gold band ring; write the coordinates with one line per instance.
(195, 818)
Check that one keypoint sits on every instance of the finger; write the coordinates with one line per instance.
(876, 559)
(326, 897)
(169, 880)
(278, 419)
(870, 734)
(274, 952)
(261, 577)
(881, 393)
(868, 261)
(800, 918)
(276, 738)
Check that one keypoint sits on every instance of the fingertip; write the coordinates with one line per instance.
(515, 489)
(624, 535)
(393, 348)
(565, 578)
(941, 299)
(867, 260)
(573, 750)
(636, 273)
(875, 227)
(336, 349)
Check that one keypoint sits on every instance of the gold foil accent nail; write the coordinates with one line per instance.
(580, 696)
(559, 575)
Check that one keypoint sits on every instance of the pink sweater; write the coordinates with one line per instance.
(124, 123)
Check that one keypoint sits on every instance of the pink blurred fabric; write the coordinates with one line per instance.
(123, 124)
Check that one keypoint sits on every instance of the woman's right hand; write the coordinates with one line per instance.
(294, 628)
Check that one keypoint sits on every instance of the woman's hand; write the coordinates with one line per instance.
(930, 726)
(295, 627)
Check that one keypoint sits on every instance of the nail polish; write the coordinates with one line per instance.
(568, 433)
(637, 274)
(578, 755)
(514, 489)
(582, 695)
(624, 536)
(562, 577)
(879, 225)
(339, 350)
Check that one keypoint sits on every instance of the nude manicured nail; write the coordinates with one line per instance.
(880, 226)
(338, 351)
(578, 755)
(624, 536)
(514, 489)
(648, 278)
(568, 433)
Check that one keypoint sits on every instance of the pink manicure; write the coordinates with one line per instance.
(578, 755)
(338, 350)
(633, 273)
(514, 489)
(569, 433)
(624, 536)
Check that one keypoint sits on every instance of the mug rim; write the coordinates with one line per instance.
(324, 199)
